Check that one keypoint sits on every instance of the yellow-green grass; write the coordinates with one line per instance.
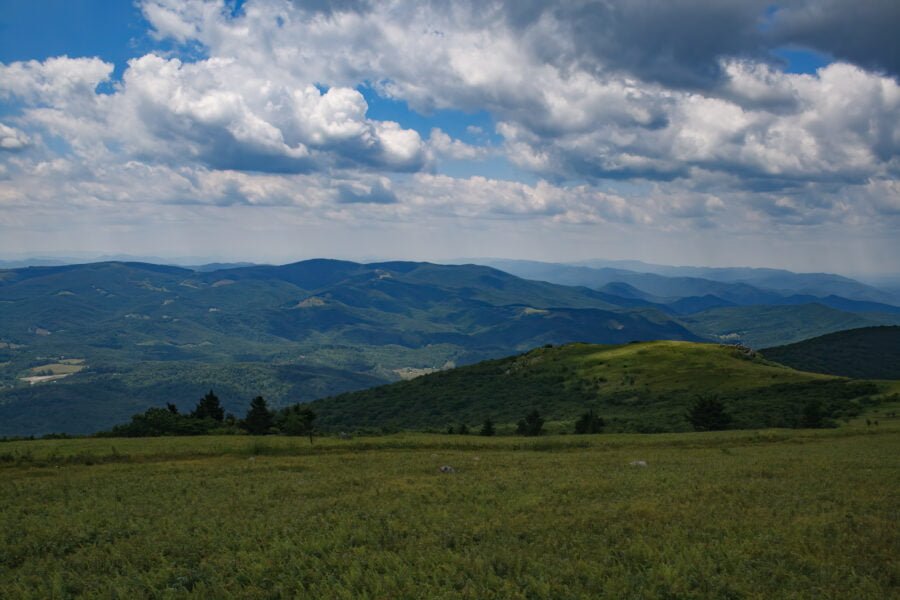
(673, 366)
(741, 514)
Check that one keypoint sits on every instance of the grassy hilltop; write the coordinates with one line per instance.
(646, 386)
(758, 514)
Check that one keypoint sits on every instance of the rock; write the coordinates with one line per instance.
(638, 463)
(447, 469)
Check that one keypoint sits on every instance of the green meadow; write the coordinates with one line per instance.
(736, 514)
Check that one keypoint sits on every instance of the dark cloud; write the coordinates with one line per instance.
(679, 43)
(676, 42)
(865, 33)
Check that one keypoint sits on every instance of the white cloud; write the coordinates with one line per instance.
(11, 139)
(445, 146)
(271, 117)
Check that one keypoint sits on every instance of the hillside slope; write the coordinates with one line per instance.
(869, 353)
(635, 387)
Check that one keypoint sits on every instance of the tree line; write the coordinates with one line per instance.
(209, 417)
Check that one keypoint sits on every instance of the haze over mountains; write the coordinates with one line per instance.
(84, 346)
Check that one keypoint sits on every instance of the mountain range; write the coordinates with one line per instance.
(84, 346)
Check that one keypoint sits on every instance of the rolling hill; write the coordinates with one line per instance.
(635, 387)
(870, 352)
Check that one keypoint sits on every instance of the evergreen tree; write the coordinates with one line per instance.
(589, 423)
(463, 429)
(708, 414)
(258, 420)
(488, 428)
(531, 425)
(209, 408)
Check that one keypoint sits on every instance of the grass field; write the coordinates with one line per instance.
(739, 514)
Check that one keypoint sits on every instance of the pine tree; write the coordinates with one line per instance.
(488, 428)
(258, 420)
(209, 408)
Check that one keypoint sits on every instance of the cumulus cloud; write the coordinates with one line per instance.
(378, 192)
(681, 100)
(217, 112)
(11, 139)
(445, 146)
(611, 90)
(58, 81)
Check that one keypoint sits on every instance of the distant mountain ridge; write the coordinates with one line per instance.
(297, 331)
(120, 335)
(869, 352)
(739, 286)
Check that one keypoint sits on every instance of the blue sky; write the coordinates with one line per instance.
(687, 132)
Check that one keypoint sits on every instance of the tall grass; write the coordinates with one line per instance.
(768, 514)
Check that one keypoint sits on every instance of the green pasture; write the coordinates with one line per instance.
(739, 514)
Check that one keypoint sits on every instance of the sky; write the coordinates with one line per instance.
(694, 132)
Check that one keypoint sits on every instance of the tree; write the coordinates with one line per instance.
(209, 408)
(812, 415)
(488, 428)
(463, 429)
(531, 425)
(296, 420)
(708, 414)
(160, 421)
(589, 423)
(258, 420)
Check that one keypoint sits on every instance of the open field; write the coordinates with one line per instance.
(740, 514)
